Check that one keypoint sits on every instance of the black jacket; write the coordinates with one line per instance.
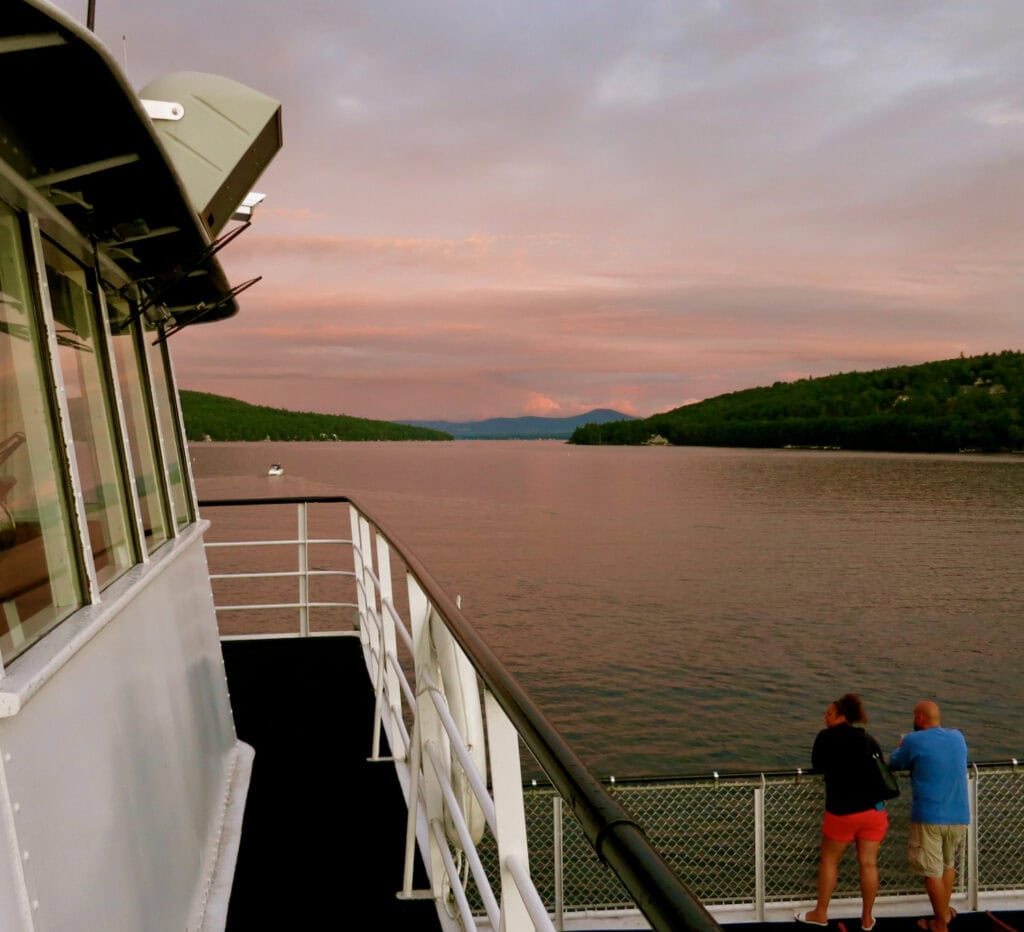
(843, 754)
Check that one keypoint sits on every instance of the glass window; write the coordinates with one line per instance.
(92, 425)
(39, 577)
(169, 437)
(139, 427)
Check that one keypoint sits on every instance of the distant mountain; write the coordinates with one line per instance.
(521, 428)
(214, 417)
(970, 404)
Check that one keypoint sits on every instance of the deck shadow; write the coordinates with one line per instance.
(324, 829)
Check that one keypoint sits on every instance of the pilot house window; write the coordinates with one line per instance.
(92, 426)
(39, 577)
(131, 368)
(163, 392)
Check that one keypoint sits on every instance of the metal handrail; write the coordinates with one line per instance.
(619, 841)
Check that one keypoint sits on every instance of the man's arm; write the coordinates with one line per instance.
(901, 756)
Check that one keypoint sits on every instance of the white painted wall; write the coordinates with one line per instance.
(117, 767)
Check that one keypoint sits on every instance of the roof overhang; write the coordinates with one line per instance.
(74, 132)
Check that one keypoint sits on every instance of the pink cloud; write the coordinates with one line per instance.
(541, 405)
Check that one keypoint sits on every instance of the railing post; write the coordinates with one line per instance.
(510, 814)
(387, 681)
(558, 856)
(357, 565)
(972, 866)
(759, 842)
(429, 728)
(378, 695)
(370, 594)
(303, 521)
(412, 814)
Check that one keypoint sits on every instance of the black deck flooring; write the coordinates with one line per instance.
(324, 831)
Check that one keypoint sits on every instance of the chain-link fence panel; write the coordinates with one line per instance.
(707, 832)
(704, 830)
(1001, 829)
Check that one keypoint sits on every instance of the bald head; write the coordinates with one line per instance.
(926, 715)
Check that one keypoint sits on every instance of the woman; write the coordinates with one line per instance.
(853, 811)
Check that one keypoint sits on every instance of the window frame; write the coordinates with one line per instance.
(113, 409)
(135, 334)
(62, 544)
(174, 421)
(38, 221)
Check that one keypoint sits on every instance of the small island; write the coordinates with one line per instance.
(970, 404)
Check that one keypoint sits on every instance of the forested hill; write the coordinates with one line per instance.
(972, 403)
(214, 417)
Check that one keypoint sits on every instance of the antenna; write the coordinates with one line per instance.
(124, 52)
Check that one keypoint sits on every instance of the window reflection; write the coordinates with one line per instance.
(92, 426)
(39, 579)
(132, 381)
(170, 441)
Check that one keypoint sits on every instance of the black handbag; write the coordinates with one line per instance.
(888, 786)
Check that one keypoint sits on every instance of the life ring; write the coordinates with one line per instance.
(462, 693)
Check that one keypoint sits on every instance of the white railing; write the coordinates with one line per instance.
(445, 797)
(303, 575)
(456, 722)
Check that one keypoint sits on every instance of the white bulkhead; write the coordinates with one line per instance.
(122, 782)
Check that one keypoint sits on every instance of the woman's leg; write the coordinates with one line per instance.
(828, 872)
(867, 859)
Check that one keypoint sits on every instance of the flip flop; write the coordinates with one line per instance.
(870, 928)
(803, 920)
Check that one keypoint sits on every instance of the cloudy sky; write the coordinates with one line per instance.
(546, 206)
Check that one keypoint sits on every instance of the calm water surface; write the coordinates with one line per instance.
(678, 610)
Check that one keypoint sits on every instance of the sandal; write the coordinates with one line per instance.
(927, 923)
(803, 920)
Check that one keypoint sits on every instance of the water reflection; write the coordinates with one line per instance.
(689, 609)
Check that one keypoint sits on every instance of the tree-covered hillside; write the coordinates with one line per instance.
(214, 417)
(972, 403)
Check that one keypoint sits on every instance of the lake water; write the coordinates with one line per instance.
(682, 610)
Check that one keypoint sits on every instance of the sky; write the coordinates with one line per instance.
(491, 209)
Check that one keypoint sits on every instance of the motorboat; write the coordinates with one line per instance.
(275, 470)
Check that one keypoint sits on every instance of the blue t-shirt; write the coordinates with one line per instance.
(937, 761)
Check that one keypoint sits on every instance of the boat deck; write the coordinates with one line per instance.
(324, 830)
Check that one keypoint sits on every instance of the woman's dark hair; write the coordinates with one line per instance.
(852, 709)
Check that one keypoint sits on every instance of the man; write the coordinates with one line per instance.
(939, 814)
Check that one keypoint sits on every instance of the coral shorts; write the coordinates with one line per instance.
(869, 825)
